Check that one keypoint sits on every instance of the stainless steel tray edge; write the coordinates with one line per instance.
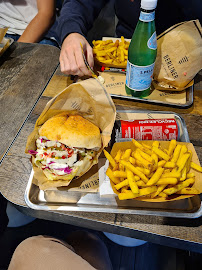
(27, 192)
(104, 209)
(189, 96)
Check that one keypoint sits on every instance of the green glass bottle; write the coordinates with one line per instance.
(142, 52)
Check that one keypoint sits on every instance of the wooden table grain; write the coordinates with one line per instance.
(179, 233)
(25, 70)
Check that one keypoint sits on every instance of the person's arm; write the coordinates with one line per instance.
(77, 16)
(76, 19)
(41, 23)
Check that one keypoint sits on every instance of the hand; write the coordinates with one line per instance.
(71, 59)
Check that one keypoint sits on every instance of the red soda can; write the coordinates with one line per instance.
(148, 129)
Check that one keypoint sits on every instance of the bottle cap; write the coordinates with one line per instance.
(148, 4)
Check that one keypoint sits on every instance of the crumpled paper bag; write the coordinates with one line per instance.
(179, 56)
(90, 100)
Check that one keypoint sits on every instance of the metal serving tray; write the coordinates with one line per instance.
(189, 99)
(63, 200)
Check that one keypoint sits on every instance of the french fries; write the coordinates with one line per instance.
(132, 183)
(160, 174)
(109, 52)
(196, 167)
(155, 177)
(110, 158)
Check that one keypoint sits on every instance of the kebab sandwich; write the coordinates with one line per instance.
(67, 147)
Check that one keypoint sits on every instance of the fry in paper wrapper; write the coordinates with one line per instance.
(172, 179)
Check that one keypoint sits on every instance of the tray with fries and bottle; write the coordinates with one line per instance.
(98, 194)
(110, 56)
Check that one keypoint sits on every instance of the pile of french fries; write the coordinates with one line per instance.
(109, 52)
(152, 172)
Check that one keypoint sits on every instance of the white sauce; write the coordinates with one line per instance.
(55, 160)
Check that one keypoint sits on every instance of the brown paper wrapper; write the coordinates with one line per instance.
(88, 99)
(165, 144)
(178, 56)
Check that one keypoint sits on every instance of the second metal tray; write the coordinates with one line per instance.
(189, 99)
(63, 200)
(189, 92)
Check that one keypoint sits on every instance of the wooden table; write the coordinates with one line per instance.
(25, 70)
(16, 168)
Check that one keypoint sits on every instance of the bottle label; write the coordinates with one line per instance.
(152, 43)
(147, 17)
(138, 78)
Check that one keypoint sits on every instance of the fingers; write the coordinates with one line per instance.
(68, 63)
(71, 58)
(90, 57)
(72, 62)
(81, 64)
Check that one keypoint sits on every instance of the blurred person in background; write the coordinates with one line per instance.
(29, 20)
(77, 17)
